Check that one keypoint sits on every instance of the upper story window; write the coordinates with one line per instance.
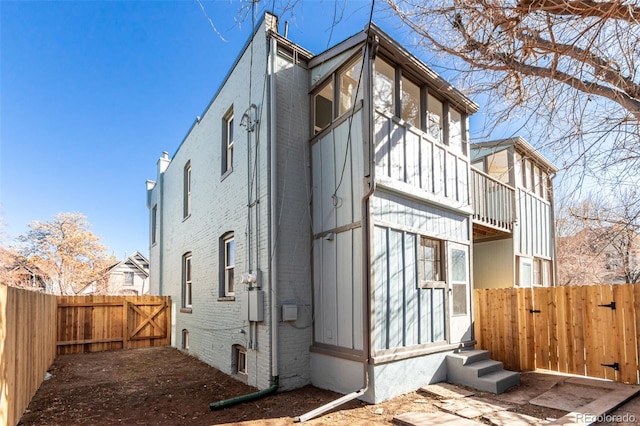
(186, 202)
(323, 107)
(410, 101)
(227, 142)
(456, 139)
(532, 177)
(435, 121)
(384, 83)
(498, 166)
(348, 80)
(154, 224)
(338, 95)
(128, 278)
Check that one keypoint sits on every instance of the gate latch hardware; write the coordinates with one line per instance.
(611, 305)
(534, 311)
(615, 366)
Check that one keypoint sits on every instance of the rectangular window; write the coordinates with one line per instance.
(187, 190)
(229, 263)
(526, 170)
(410, 102)
(525, 272)
(479, 165)
(323, 107)
(384, 86)
(518, 170)
(429, 260)
(128, 278)
(186, 281)
(456, 140)
(498, 166)
(542, 272)
(435, 114)
(459, 281)
(227, 142)
(241, 359)
(154, 224)
(348, 80)
(536, 188)
(185, 339)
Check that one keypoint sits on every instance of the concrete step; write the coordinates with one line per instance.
(498, 381)
(475, 369)
(484, 367)
(470, 356)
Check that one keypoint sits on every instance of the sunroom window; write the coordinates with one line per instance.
(410, 102)
(435, 116)
(348, 80)
(498, 166)
(323, 107)
(384, 86)
(455, 131)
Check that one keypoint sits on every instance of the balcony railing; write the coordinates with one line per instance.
(493, 202)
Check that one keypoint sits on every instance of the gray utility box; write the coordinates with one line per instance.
(253, 306)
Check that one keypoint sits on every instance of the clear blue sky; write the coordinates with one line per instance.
(92, 92)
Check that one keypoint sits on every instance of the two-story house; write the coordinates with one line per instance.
(316, 224)
(513, 227)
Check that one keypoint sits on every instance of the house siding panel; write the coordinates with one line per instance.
(534, 236)
(405, 315)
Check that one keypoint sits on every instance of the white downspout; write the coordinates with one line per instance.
(273, 265)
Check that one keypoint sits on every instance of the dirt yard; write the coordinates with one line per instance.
(162, 386)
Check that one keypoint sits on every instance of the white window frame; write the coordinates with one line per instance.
(187, 281)
(240, 360)
(521, 262)
(229, 266)
(226, 142)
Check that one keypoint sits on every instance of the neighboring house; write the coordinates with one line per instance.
(18, 272)
(513, 227)
(316, 223)
(129, 276)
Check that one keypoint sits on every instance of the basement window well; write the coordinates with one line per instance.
(240, 360)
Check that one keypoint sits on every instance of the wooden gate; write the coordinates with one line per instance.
(586, 330)
(102, 323)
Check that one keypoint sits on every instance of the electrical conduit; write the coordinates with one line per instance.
(273, 266)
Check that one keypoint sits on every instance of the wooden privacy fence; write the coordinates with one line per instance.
(27, 347)
(102, 323)
(589, 330)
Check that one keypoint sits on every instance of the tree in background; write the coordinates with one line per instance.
(599, 240)
(66, 251)
(565, 70)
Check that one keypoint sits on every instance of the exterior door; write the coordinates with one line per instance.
(459, 292)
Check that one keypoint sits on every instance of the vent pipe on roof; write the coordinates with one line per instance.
(286, 29)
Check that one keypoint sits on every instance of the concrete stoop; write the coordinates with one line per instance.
(474, 368)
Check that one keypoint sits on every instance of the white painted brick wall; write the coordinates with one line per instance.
(220, 206)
